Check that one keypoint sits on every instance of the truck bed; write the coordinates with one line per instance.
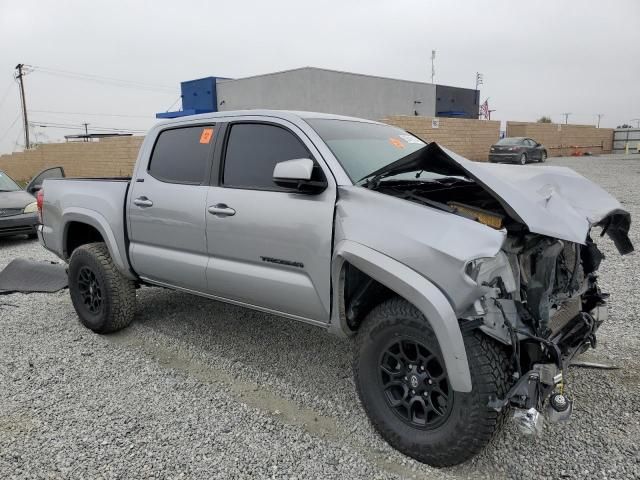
(99, 202)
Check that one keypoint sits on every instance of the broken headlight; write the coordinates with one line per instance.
(486, 271)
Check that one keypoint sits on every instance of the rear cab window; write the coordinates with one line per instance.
(183, 155)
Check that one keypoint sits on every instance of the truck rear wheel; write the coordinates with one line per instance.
(103, 298)
(403, 386)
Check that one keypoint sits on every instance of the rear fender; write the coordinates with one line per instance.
(414, 288)
(100, 223)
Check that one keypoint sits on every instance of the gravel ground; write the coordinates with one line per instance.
(200, 389)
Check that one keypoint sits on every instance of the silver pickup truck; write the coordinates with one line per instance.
(469, 287)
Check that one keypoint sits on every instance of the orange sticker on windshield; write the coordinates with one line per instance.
(206, 135)
(396, 142)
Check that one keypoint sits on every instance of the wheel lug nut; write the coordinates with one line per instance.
(430, 381)
(413, 392)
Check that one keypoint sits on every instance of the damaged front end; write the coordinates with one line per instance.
(539, 294)
(542, 300)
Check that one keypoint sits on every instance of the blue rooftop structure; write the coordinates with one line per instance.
(198, 96)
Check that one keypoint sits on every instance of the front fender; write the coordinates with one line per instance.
(115, 246)
(414, 288)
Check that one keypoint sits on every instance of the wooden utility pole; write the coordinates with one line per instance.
(19, 77)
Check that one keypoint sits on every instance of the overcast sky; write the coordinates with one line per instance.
(537, 57)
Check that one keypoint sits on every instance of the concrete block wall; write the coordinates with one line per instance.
(115, 157)
(110, 157)
(469, 138)
(563, 140)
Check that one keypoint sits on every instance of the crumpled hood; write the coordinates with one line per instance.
(552, 201)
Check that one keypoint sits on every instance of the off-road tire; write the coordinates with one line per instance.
(118, 293)
(471, 423)
(523, 159)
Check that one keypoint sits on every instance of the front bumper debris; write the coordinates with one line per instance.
(542, 388)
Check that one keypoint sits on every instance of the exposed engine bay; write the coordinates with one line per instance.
(541, 297)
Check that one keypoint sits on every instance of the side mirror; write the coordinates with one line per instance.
(33, 189)
(300, 174)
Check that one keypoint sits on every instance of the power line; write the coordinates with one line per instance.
(101, 79)
(10, 127)
(6, 93)
(75, 126)
(92, 114)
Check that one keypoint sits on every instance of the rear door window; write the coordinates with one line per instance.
(183, 155)
(253, 149)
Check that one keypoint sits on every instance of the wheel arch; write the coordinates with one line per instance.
(411, 286)
(82, 226)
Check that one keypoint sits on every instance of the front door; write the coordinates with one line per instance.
(167, 209)
(269, 247)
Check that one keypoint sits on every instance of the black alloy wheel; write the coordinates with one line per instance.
(90, 290)
(415, 384)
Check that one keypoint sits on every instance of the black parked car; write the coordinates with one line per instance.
(517, 150)
(18, 207)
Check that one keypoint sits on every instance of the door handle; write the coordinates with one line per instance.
(222, 210)
(143, 202)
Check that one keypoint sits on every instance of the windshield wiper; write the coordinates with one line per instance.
(403, 164)
(372, 180)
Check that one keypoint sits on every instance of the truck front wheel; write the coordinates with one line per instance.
(404, 388)
(103, 298)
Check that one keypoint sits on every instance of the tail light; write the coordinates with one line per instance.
(40, 202)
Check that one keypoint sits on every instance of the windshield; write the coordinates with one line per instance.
(510, 141)
(362, 148)
(6, 184)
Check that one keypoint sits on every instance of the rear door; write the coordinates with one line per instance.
(166, 210)
(269, 248)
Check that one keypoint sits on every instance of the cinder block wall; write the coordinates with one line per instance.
(563, 140)
(469, 138)
(110, 157)
(466, 137)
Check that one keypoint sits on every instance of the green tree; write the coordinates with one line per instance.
(544, 119)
